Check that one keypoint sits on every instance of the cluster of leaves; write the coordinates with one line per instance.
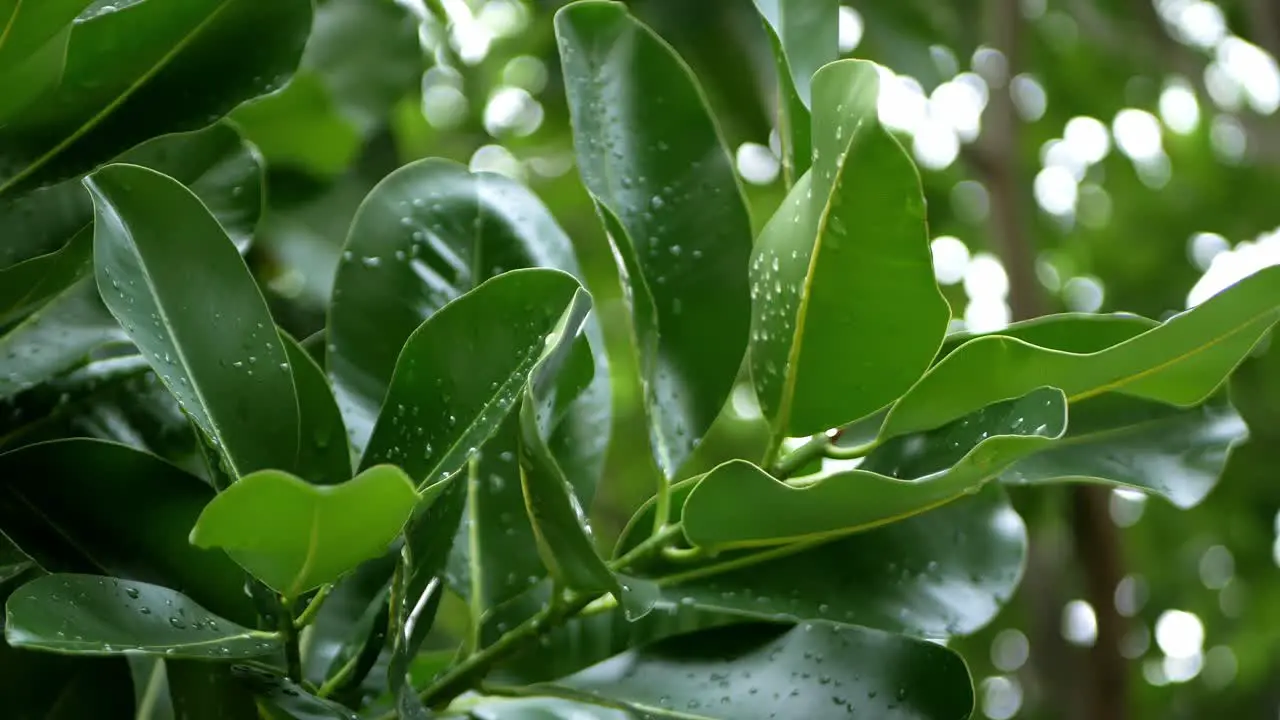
(213, 519)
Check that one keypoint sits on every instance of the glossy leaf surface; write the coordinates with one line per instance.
(652, 157)
(324, 458)
(803, 38)
(61, 687)
(462, 371)
(72, 506)
(1113, 439)
(848, 242)
(738, 505)
(111, 100)
(559, 522)
(294, 536)
(1180, 362)
(425, 235)
(95, 615)
(943, 572)
(196, 314)
(747, 673)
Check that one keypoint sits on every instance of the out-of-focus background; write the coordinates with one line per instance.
(1077, 155)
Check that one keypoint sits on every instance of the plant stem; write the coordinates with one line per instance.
(652, 544)
(308, 615)
(471, 670)
(292, 652)
(819, 446)
(331, 684)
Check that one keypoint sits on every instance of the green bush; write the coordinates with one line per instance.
(208, 518)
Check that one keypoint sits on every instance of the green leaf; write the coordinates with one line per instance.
(296, 537)
(940, 573)
(653, 159)
(1179, 362)
(559, 522)
(462, 370)
(49, 232)
(55, 338)
(29, 26)
(109, 101)
(33, 50)
(62, 687)
(739, 505)
(758, 672)
(462, 229)
(324, 458)
(352, 624)
(95, 615)
(804, 36)
(195, 312)
(1114, 439)
(428, 233)
(87, 506)
(846, 314)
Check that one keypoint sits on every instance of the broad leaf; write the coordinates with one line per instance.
(1113, 439)
(195, 312)
(294, 536)
(324, 458)
(559, 523)
(846, 314)
(61, 687)
(55, 338)
(95, 615)
(462, 370)
(73, 506)
(49, 249)
(761, 672)
(653, 159)
(940, 573)
(739, 505)
(428, 233)
(33, 50)
(49, 232)
(804, 35)
(1180, 362)
(109, 101)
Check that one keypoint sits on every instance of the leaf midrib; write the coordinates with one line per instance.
(111, 107)
(214, 425)
(8, 26)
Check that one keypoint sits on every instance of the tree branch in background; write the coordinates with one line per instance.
(1097, 542)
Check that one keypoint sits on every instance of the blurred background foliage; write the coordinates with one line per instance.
(1077, 155)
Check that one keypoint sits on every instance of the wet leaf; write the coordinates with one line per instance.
(653, 159)
(195, 312)
(848, 243)
(739, 505)
(294, 536)
(95, 615)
